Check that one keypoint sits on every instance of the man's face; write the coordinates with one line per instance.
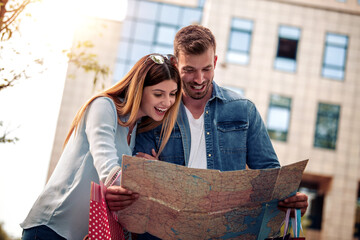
(197, 73)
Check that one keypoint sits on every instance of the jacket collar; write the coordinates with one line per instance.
(217, 92)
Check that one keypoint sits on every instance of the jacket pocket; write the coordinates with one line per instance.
(232, 136)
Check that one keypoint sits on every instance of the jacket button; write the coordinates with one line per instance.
(207, 133)
(209, 155)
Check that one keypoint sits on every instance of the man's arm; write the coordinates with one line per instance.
(260, 152)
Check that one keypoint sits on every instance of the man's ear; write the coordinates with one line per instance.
(215, 60)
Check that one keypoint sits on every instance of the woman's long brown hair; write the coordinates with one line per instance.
(127, 95)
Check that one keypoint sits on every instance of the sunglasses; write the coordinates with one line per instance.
(160, 59)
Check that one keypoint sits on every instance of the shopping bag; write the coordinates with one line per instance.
(296, 226)
(102, 224)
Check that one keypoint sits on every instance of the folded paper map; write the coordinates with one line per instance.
(177, 202)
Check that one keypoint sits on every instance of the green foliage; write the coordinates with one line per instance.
(88, 62)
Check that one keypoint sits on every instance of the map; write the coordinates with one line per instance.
(177, 202)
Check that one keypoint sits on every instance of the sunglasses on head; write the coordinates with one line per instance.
(160, 59)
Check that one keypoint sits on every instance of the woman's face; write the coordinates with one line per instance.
(157, 99)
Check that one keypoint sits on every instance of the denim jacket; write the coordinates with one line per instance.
(235, 135)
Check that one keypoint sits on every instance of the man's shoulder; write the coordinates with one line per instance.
(229, 95)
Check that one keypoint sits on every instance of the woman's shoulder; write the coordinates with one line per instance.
(103, 102)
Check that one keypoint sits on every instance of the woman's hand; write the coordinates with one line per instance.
(147, 156)
(119, 198)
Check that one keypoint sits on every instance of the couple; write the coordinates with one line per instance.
(215, 129)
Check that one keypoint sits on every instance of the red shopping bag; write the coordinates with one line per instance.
(102, 224)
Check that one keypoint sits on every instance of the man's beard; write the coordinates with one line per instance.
(196, 95)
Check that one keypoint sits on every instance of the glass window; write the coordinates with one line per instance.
(127, 29)
(130, 11)
(239, 41)
(165, 35)
(147, 10)
(163, 49)
(119, 71)
(138, 50)
(287, 48)
(192, 16)
(144, 32)
(279, 117)
(150, 27)
(334, 59)
(123, 48)
(327, 126)
(202, 3)
(170, 14)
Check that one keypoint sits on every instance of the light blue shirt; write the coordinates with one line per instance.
(90, 154)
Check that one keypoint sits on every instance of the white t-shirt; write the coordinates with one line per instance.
(198, 146)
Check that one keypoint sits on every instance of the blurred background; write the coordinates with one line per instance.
(297, 60)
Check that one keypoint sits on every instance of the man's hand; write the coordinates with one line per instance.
(147, 156)
(119, 198)
(299, 200)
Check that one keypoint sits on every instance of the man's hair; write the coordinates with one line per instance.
(194, 40)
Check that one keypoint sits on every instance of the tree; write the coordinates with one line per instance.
(10, 18)
(10, 11)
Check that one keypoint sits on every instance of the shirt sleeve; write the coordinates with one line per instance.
(101, 124)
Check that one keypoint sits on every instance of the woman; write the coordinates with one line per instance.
(102, 131)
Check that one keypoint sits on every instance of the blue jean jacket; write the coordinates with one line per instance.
(235, 135)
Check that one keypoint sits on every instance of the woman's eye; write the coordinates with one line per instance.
(157, 94)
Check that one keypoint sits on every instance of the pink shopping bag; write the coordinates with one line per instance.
(102, 224)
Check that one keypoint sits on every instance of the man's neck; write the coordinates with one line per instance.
(196, 106)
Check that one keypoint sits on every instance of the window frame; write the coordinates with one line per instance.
(318, 138)
(282, 63)
(334, 67)
(274, 133)
(239, 30)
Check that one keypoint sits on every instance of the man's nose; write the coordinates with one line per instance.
(199, 77)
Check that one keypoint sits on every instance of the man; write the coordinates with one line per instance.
(216, 128)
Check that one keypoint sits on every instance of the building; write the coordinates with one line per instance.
(298, 60)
